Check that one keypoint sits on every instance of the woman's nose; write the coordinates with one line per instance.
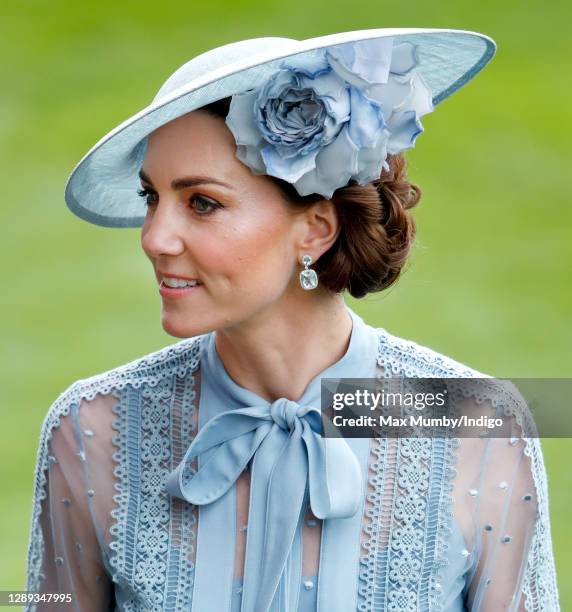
(161, 231)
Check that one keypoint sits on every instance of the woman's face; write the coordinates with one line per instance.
(210, 218)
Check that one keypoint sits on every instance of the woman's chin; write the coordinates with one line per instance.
(182, 327)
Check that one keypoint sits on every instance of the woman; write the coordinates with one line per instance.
(271, 178)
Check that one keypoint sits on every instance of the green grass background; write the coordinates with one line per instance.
(488, 282)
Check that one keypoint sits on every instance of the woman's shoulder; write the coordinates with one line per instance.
(180, 358)
(403, 356)
(399, 356)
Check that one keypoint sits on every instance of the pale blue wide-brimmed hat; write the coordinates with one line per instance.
(102, 188)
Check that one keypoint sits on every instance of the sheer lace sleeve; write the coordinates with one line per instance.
(65, 554)
(502, 485)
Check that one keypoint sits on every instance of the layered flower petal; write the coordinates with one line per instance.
(371, 160)
(420, 99)
(310, 64)
(288, 168)
(363, 62)
(251, 157)
(332, 115)
(366, 119)
(241, 119)
(404, 128)
(391, 96)
(403, 58)
(335, 165)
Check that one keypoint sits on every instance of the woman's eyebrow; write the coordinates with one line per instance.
(187, 181)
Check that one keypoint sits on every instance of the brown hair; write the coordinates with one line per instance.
(377, 229)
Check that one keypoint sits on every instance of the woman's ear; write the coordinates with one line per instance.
(322, 227)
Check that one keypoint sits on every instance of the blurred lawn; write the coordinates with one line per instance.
(489, 280)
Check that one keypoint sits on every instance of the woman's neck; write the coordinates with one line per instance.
(278, 351)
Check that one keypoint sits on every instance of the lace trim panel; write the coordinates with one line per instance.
(405, 546)
(143, 524)
(399, 552)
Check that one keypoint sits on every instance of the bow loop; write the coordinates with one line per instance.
(291, 458)
(231, 439)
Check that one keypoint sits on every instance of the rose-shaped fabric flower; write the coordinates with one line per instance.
(332, 115)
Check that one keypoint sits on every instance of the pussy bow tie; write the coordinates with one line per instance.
(290, 458)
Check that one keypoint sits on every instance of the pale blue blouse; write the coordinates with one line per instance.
(222, 397)
(455, 580)
(135, 501)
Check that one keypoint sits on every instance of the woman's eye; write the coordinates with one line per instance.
(146, 193)
(201, 204)
(204, 205)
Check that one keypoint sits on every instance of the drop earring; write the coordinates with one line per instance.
(308, 277)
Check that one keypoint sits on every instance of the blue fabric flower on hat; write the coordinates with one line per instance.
(332, 115)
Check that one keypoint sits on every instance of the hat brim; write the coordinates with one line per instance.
(101, 189)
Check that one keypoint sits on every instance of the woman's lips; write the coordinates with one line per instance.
(174, 292)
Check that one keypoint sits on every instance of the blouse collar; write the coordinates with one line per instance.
(354, 363)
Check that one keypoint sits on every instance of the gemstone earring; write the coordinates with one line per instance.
(308, 278)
